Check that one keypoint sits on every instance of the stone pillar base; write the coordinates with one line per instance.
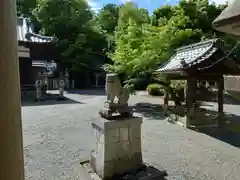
(117, 146)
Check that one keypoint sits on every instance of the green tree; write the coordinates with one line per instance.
(81, 43)
(25, 7)
(108, 17)
(141, 46)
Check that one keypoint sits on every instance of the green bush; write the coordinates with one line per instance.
(178, 87)
(155, 89)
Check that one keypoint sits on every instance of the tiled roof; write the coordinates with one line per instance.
(39, 63)
(190, 55)
(228, 20)
(230, 11)
(25, 32)
(49, 66)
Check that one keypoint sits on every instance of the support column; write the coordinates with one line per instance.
(11, 151)
(96, 80)
(220, 86)
(166, 98)
(190, 98)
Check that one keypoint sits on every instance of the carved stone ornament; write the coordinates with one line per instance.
(117, 98)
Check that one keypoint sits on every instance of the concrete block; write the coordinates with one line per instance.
(101, 137)
(93, 158)
(135, 132)
(110, 152)
(109, 169)
(123, 165)
(99, 159)
(135, 146)
(111, 124)
(124, 134)
(136, 160)
(96, 132)
(112, 135)
(118, 146)
(123, 149)
(136, 153)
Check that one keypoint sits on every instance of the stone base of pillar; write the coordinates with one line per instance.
(117, 152)
(117, 146)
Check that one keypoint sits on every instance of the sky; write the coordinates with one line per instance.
(148, 4)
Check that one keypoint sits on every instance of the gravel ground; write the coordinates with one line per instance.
(58, 136)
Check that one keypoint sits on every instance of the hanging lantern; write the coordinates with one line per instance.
(229, 20)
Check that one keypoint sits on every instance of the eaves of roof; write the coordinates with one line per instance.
(188, 56)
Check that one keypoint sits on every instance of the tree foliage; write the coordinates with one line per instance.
(135, 41)
(81, 44)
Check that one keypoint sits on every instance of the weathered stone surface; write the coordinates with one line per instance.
(118, 146)
(135, 132)
(112, 135)
(124, 133)
(117, 98)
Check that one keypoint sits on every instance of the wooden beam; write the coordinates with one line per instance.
(166, 98)
(11, 151)
(212, 77)
(220, 85)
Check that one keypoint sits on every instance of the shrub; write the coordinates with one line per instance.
(178, 87)
(155, 89)
(138, 83)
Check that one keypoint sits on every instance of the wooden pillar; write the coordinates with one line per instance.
(96, 80)
(11, 151)
(166, 98)
(190, 98)
(220, 86)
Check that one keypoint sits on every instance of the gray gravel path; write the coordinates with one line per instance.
(57, 137)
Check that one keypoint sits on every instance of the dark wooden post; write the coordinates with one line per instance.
(11, 151)
(166, 98)
(190, 97)
(220, 86)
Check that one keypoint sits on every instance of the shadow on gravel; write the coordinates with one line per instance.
(151, 111)
(48, 101)
(213, 98)
(223, 135)
(228, 132)
(90, 92)
(145, 173)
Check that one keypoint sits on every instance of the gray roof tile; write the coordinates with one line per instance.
(190, 55)
(25, 32)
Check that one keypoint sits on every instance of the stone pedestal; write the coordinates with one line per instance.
(117, 146)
